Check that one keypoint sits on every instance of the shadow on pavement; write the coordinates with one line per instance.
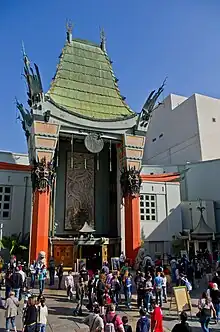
(60, 311)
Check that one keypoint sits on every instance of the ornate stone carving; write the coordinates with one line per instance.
(27, 118)
(79, 191)
(42, 175)
(130, 182)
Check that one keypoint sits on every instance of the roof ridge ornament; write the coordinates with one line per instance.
(34, 84)
(69, 31)
(149, 107)
(103, 40)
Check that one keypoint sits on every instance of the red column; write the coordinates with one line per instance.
(40, 223)
(132, 226)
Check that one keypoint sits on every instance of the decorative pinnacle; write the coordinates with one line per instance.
(25, 57)
(103, 40)
(200, 207)
(69, 26)
(23, 49)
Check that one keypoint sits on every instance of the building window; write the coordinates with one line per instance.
(5, 202)
(148, 207)
(213, 119)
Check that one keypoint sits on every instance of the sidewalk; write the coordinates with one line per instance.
(61, 314)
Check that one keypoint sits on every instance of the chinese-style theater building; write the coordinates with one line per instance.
(85, 147)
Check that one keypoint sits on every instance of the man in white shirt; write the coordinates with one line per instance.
(69, 284)
(22, 273)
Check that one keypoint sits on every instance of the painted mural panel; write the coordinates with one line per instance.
(79, 191)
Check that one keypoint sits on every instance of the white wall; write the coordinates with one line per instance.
(202, 180)
(14, 158)
(169, 220)
(208, 110)
(191, 215)
(20, 212)
(173, 136)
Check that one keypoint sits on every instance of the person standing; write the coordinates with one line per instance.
(164, 287)
(183, 326)
(51, 269)
(127, 327)
(85, 275)
(158, 282)
(11, 311)
(100, 291)
(42, 314)
(33, 273)
(141, 285)
(94, 321)
(42, 274)
(215, 295)
(60, 274)
(122, 259)
(156, 318)
(143, 323)
(8, 283)
(17, 282)
(148, 293)
(23, 275)
(115, 289)
(206, 308)
(69, 284)
(30, 316)
(128, 289)
(80, 292)
(111, 318)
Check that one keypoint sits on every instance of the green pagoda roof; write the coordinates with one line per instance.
(85, 84)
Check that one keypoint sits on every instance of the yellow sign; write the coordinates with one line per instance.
(183, 301)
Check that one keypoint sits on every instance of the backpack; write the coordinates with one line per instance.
(110, 325)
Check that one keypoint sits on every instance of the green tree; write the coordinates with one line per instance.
(15, 243)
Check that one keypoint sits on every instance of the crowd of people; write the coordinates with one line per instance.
(103, 292)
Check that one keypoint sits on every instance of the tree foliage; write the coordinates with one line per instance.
(15, 243)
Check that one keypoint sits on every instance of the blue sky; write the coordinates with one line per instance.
(146, 39)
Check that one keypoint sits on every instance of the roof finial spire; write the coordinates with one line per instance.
(23, 49)
(69, 29)
(25, 57)
(103, 40)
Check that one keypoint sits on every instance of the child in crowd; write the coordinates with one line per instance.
(127, 327)
(42, 314)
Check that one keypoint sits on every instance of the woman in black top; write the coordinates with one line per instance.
(30, 318)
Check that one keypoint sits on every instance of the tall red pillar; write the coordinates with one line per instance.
(40, 223)
(132, 226)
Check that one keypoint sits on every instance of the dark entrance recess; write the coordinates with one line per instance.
(93, 255)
